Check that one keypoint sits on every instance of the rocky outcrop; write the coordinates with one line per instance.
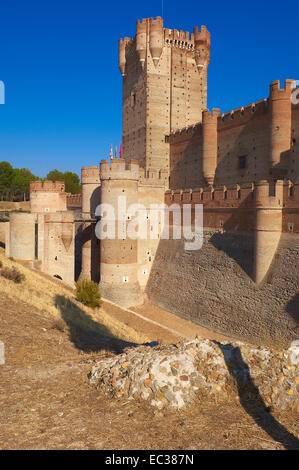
(174, 375)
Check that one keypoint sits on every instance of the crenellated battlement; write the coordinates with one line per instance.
(47, 186)
(152, 176)
(276, 92)
(158, 21)
(90, 174)
(259, 194)
(185, 133)
(243, 114)
(73, 200)
(119, 169)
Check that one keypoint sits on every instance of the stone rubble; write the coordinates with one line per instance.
(174, 375)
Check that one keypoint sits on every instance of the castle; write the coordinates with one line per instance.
(242, 166)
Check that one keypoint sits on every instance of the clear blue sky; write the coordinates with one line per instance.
(59, 63)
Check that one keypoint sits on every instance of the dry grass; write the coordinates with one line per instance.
(47, 403)
(51, 298)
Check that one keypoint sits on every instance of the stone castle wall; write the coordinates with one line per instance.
(47, 196)
(213, 286)
(249, 132)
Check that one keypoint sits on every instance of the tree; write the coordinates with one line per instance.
(21, 183)
(55, 175)
(71, 180)
(72, 183)
(6, 177)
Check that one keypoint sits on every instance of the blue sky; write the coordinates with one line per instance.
(59, 63)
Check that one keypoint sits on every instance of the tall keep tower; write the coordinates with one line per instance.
(164, 87)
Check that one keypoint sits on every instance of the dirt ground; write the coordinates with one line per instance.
(46, 402)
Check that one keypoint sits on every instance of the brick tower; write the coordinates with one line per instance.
(164, 87)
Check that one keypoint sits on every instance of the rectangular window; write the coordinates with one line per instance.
(242, 162)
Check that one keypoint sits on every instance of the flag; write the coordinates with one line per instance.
(116, 151)
(111, 153)
(120, 151)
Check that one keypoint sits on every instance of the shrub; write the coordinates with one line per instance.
(88, 293)
(58, 325)
(13, 274)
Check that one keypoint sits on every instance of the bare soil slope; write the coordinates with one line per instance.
(51, 343)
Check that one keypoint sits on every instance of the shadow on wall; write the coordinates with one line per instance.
(86, 334)
(87, 235)
(251, 399)
(78, 251)
(95, 201)
(241, 247)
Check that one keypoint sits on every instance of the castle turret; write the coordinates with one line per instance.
(118, 268)
(268, 226)
(210, 147)
(90, 179)
(122, 56)
(47, 196)
(156, 39)
(141, 40)
(281, 121)
(21, 236)
(202, 42)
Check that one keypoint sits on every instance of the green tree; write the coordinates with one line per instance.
(55, 175)
(71, 180)
(20, 185)
(6, 177)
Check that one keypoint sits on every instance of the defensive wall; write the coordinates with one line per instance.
(253, 142)
(244, 280)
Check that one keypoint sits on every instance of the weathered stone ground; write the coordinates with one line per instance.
(47, 403)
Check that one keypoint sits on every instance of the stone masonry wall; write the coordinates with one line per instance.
(213, 287)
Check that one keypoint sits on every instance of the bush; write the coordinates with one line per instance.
(13, 274)
(58, 325)
(88, 293)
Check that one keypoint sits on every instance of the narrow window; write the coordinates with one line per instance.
(242, 162)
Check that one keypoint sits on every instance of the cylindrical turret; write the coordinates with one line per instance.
(202, 43)
(119, 267)
(281, 120)
(268, 226)
(122, 56)
(209, 145)
(156, 38)
(22, 236)
(141, 40)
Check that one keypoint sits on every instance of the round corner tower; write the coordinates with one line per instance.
(268, 225)
(281, 121)
(119, 255)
